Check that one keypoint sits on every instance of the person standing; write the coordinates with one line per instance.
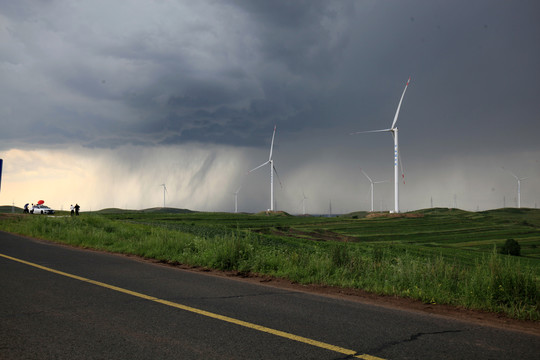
(77, 207)
(72, 209)
(25, 211)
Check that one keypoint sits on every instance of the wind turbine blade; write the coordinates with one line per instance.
(272, 145)
(277, 177)
(399, 106)
(258, 167)
(366, 175)
(514, 175)
(370, 131)
(382, 181)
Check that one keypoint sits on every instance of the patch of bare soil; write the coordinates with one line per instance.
(273, 213)
(393, 215)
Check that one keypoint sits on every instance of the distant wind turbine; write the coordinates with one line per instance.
(394, 130)
(272, 170)
(330, 208)
(164, 191)
(236, 199)
(372, 183)
(304, 198)
(519, 180)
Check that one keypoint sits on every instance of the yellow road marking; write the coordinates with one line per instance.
(246, 324)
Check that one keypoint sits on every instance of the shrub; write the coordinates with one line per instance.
(511, 247)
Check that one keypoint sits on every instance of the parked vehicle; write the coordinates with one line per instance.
(41, 209)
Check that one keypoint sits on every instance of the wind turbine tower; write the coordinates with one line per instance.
(272, 170)
(519, 180)
(236, 200)
(304, 203)
(164, 191)
(394, 131)
(330, 208)
(372, 183)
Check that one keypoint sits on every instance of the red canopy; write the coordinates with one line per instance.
(40, 202)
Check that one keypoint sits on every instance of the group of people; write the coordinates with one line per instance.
(27, 209)
(74, 209)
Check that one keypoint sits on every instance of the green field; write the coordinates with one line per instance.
(435, 255)
(442, 230)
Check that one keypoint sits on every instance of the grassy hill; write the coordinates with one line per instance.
(436, 228)
(444, 229)
(9, 208)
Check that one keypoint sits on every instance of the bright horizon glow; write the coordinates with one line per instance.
(205, 178)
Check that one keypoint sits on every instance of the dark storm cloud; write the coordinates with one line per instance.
(191, 90)
(105, 75)
(306, 36)
(206, 80)
(294, 56)
(222, 125)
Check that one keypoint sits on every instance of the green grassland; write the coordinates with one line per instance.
(442, 230)
(434, 255)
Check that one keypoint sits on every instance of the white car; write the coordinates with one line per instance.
(41, 209)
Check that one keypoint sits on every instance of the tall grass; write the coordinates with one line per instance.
(494, 282)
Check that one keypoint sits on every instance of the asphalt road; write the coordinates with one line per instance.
(104, 306)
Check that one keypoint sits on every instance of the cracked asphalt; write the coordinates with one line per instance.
(46, 315)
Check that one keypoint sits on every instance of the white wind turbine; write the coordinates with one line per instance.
(394, 130)
(519, 180)
(372, 183)
(272, 170)
(304, 198)
(236, 199)
(164, 191)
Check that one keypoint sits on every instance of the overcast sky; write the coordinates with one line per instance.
(103, 101)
